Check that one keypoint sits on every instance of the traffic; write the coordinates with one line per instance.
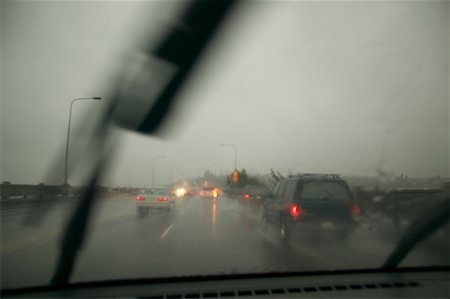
(306, 222)
(212, 149)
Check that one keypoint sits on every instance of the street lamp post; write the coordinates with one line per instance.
(68, 134)
(235, 153)
(154, 159)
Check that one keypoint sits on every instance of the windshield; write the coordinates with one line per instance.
(344, 104)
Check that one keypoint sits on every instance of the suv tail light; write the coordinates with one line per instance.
(248, 196)
(296, 210)
(139, 198)
(163, 198)
(356, 210)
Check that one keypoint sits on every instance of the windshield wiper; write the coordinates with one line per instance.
(182, 47)
(418, 232)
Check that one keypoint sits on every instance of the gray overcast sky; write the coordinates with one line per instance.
(297, 86)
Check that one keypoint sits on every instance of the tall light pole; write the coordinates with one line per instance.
(154, 159)
(235, 153)
(68, 133)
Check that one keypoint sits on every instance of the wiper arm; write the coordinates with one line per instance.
(76, 229)
(182, 48)
(75, 232)
(418, 232)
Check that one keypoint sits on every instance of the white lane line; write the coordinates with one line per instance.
(266, 237)
(166, 231)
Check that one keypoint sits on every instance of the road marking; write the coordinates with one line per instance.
(166, 231)
(266, 237)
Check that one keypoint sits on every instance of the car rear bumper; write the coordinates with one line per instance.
(322, 224)
(154, 205)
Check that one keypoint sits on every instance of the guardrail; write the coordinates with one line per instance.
(10, 191)
(19, 191)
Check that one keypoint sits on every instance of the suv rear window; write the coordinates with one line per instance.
(325, 190)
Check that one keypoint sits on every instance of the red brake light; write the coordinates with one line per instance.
(202, 193)
(296, 210)
(138, 198)
(356, 210)
(163, 198)
(247, 196)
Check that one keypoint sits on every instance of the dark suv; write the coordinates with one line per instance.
(309, 202)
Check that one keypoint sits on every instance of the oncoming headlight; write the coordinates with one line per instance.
(180, 192)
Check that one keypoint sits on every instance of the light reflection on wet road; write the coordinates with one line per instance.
(198, 237)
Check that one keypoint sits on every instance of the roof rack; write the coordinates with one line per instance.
(329, 175)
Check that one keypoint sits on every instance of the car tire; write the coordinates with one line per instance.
(264, 221)
(283, 230)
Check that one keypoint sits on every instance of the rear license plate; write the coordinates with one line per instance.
(327, 225)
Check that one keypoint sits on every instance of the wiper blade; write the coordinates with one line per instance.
(418, 232)
(181, 49)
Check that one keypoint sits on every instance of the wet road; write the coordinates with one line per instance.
(198, 237)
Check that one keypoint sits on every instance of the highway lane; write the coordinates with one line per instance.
(198, 237)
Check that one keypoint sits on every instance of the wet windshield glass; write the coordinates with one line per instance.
(277, 102)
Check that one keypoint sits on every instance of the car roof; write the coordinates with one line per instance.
(157, 187)
(315, 177)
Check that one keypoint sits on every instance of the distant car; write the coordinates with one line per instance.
(254, 192)
(190, 192)
(153, 198)
(210, 192)
(311, 202)
(179, 192)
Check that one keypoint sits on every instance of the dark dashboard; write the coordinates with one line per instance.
(401, 283)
